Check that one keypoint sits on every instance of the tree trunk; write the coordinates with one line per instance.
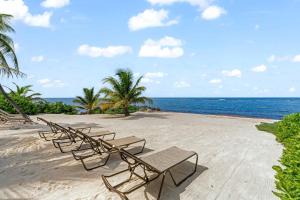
(126, 111)
(18, 109)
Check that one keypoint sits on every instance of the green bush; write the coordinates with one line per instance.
(121, 111)
(287, 175)
(25, 104)
(34, 107)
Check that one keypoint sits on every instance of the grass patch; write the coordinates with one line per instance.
(267, 127)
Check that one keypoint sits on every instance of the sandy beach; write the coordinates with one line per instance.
(235, 159)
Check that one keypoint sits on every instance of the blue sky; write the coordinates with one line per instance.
(184, 48)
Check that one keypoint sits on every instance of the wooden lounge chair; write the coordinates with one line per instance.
(70, 137)
(8, 118)
(102, 149)
(149, 168)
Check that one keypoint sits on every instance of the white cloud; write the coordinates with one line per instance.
(150, 18)
(292, 89)
(110, 51)
(209, 11)
(16, 47)
(274, 58)
(200, 3)
(55, 3)
(181, 84)
(51, 83)
(152, 77)
(296, 58)
(167, 47)
(233, 73)
(20, 11)
(213, 12)
(260, 68)
(37, 58)
(216, 81)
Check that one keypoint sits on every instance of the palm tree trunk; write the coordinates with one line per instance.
(18, 109)
(126, 111)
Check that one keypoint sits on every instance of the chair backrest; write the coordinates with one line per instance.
(98, 145)
(134, 161)
(65, 131)
(2, 112)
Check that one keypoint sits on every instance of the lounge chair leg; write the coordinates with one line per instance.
(161, 185)
(88, 169)
(142, 148)
(189, 175)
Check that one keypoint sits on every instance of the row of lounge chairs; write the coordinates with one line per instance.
(9, 118)
(84, 144)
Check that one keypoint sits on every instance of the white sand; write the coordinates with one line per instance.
(238, 159)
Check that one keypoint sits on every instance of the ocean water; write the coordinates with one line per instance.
(272, 108)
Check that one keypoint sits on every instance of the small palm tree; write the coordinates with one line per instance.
(89, 102)
(9, 66)
(124, 91)
(24, 92)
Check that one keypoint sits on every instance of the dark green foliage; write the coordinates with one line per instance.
(267, 127)
(31, 107)
(26, 104)
(287, 175)
(131, 109)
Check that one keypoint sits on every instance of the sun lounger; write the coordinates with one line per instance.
(54, 132)
(8, 118)
(151, 167)
(102, 149)
(71, 140)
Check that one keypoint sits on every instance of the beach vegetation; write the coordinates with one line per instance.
(26, 91)
(287, 132)
(32, 107)
(9, 66)
(124, 91)
(89, 102)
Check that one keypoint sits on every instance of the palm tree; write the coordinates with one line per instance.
(9, 66)
(124, 91)
(89, 102)
(24, 92)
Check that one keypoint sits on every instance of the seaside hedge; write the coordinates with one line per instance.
(287, 175)
(31, 107)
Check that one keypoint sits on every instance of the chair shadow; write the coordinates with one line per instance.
(170, 191)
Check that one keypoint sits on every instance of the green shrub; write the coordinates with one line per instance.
(34, 107)
(25, 104)
(287, 175)
(288, 127)
(121, 111)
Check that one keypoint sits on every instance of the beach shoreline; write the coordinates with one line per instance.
(235, 159)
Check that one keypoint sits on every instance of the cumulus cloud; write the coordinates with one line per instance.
(260, 68)
(150, 18)
(20, 11)
(215, 81)
(292, 89)
(274, 58)
(47, 83)
(152, 77)
(167, 47)
(200, 3)
(110, 51)
(37, 58)
(213, 12)
(209, 11)
(232, 73)
(296, 58)
(55, 3)
(182, 84)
